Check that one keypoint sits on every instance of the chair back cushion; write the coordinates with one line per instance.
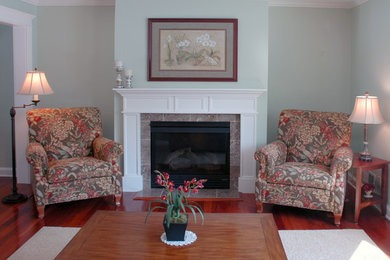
(65, 132)
(313, 136)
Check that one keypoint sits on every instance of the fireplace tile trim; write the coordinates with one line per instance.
(189, 100)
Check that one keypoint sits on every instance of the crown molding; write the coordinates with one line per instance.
(316, 4)
(358, 2)
(71, 2)
(15, 17)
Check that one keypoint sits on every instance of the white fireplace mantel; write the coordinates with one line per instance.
(186, 101)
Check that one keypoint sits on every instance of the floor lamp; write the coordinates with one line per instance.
(34, 84)
(366, 111)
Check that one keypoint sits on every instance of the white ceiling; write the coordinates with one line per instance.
(288, 3)
(317, 3)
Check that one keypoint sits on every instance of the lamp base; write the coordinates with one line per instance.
(365, 157)
(14, 198)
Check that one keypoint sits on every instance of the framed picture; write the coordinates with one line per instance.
(192, 49)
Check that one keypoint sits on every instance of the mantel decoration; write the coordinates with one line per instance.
(119, 69)
(368, 189)
(175, 203)
(192, 49)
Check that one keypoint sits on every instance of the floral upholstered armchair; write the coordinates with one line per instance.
(71, 159)
(306, 167)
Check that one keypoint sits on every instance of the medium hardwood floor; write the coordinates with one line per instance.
(19, 222)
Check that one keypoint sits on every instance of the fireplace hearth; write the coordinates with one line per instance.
(188, 150)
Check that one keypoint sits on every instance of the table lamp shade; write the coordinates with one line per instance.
(35, 83)
(366, 110)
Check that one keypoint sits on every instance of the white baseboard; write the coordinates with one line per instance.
(246, 184)
(5, 172)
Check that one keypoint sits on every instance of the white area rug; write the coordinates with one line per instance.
(46, 244)
(332, 244)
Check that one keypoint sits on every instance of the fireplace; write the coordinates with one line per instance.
(171, 104)
(188, 150)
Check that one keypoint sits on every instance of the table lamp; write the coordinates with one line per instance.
(34, 84)
(366, 111)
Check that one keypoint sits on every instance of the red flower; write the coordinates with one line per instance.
(180, 188)
(185, 189)
(200, 184)
(186, 183)
(166, 176)
(164, 198)
(193, 181)
(195, 191)
(159, 180)
(368, 187)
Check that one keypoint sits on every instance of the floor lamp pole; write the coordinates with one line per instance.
(15, 197)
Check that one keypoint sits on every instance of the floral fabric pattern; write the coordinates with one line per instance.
(307, 166)
(301, 174)
(313, 136)
(61, 154)
(71, 169)
(65, 132)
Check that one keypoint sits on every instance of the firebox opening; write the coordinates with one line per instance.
(189, 150)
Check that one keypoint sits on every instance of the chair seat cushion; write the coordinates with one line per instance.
(77, 168)
(301, 174)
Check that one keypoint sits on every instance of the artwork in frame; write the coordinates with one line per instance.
(192, 49)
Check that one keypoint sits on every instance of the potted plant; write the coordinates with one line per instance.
(176, 204)
(368, 189)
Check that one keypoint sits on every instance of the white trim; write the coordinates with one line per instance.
(358, 2)
(315, 4)
(15, 17)
(32, 2)
(5, 172)
(71, 2)
(388, 212)
(22, 58)
(188, 101)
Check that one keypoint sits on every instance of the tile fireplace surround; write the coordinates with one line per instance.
(137, 102)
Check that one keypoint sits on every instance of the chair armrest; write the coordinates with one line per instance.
(107, 150)
(272, 154)
(37, 157)
(341, 163)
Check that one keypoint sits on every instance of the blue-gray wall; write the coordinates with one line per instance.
(131, 41)
(371, 71)
(309, 61)
(7, 95)
(76, 50)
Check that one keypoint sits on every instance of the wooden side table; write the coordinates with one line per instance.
(361, 167)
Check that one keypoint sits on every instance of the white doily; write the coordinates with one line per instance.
(189, 237)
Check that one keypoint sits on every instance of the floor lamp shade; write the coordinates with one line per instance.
(35, 84)
(366, 111)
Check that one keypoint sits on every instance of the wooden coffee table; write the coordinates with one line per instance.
(123, 235)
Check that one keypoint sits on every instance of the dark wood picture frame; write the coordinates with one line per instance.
(181, 49)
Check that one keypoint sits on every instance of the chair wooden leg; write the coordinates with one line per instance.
(118, 198)
(337, 218)
(260, 207)
(41, 211)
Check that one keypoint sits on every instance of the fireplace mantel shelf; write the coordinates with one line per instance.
(188, 101)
